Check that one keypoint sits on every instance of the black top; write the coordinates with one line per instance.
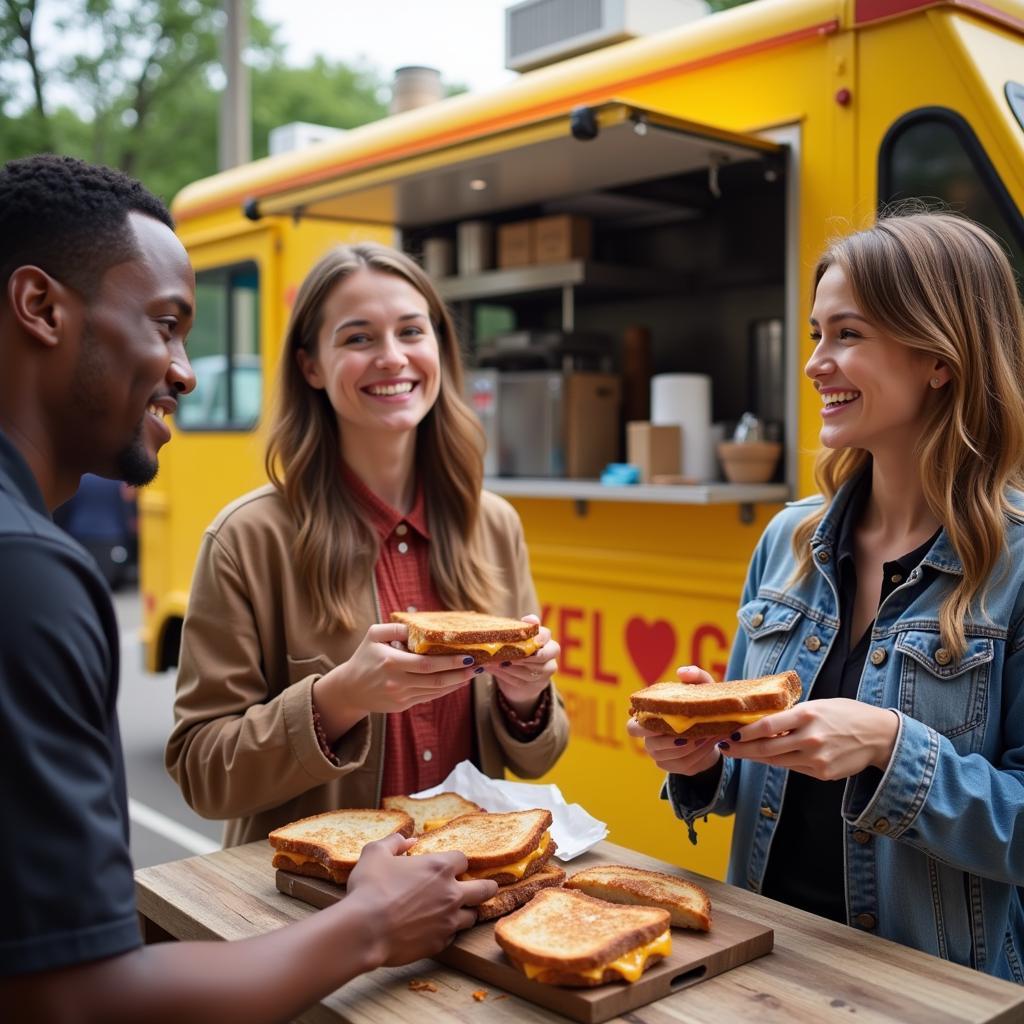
(805, 865)
(69, 894)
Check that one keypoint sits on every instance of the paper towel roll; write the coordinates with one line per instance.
(685, 398)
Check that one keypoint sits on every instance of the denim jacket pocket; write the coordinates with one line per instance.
(769, 627)
(949, 695)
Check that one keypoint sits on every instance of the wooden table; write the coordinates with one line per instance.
(818, 972)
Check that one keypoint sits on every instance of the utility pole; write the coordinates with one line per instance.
(235, 116)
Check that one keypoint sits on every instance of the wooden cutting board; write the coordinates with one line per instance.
(695, 956)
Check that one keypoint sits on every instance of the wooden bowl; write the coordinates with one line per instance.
(749, 462)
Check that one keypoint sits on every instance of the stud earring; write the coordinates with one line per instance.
(935, 382)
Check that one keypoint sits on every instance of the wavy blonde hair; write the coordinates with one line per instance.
(334, 544)
(941, 284)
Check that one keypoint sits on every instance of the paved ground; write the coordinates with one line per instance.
(163, 826)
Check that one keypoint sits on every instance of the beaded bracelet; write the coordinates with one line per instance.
(321, 739)
(525, 730)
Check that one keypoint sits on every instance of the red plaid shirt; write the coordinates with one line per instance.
(424, 743)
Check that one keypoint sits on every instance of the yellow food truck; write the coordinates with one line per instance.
(691, 177)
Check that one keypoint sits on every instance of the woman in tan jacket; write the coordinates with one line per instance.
(295, 695)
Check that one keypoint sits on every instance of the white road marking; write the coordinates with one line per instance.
(188, 838)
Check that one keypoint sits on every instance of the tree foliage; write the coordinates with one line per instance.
(135, 84)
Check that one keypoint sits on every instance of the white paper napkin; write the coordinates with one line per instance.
(572, 828)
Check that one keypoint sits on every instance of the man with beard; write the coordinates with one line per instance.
(97, 302)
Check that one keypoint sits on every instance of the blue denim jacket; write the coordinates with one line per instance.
(934, 845)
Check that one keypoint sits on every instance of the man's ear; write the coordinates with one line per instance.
(310, 369)
(40, 304)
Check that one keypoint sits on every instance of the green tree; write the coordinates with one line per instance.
(141, 93)
(325, 92)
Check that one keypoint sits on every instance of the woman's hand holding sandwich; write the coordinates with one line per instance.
(415, 904)
(523, 681)
(383, 676)
(679, 755)
(827, 739)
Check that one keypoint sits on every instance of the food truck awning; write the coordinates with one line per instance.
(583, 150)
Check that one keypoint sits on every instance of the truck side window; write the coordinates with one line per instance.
(224, 347)
(1015, 97)
(933, 153)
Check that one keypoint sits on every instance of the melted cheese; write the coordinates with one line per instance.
(527, 647)
(683, 722)
(432, 823)
(295, 858)
(516, 868)
(630, 965)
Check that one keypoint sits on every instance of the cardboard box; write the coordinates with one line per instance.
(475, 248)
(561, 238)
(438, 259)
(592, 402)
(515, 244)
(657, 450)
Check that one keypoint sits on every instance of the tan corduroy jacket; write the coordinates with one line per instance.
(243, 745)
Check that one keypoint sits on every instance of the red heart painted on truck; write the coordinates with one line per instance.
(652, 646)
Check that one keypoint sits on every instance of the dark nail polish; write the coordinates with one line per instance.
(505, 664)
(467, 661)
(478, 670)
(724, 745)
(680, 741)
(735, 736)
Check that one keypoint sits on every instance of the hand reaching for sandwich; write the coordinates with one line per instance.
(383, 676)
(416, 904)
(524, 680)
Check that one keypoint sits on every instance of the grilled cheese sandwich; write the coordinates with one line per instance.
(328, 845)
(505, 847)
(484, 637)
(564, 937)
(516, 868)
(629, 966)
(713, 709)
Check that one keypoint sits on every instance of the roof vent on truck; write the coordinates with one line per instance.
(539, 32)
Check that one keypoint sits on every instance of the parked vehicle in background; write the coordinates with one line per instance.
(102, 518)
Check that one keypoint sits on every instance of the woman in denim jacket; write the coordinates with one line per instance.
(891, 797)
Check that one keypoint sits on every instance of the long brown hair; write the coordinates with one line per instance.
(941, 284)
(334, 544)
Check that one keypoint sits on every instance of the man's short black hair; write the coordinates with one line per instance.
(69, 218)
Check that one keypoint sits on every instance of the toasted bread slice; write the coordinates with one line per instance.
(506, 847)
(431, 810)
(481, 637)
(511, 897)
(688, 904)
(328, 845)
(712, 709)
(563, 937)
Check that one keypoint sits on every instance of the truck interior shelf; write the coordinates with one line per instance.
(671, 494)
(581, 274)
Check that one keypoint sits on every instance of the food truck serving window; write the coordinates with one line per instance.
(934, 154)
(224, 350)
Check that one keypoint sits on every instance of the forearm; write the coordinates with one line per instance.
(240, 764)
(962, 810)
(539, 754)
(270, 978)
(336, 717)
